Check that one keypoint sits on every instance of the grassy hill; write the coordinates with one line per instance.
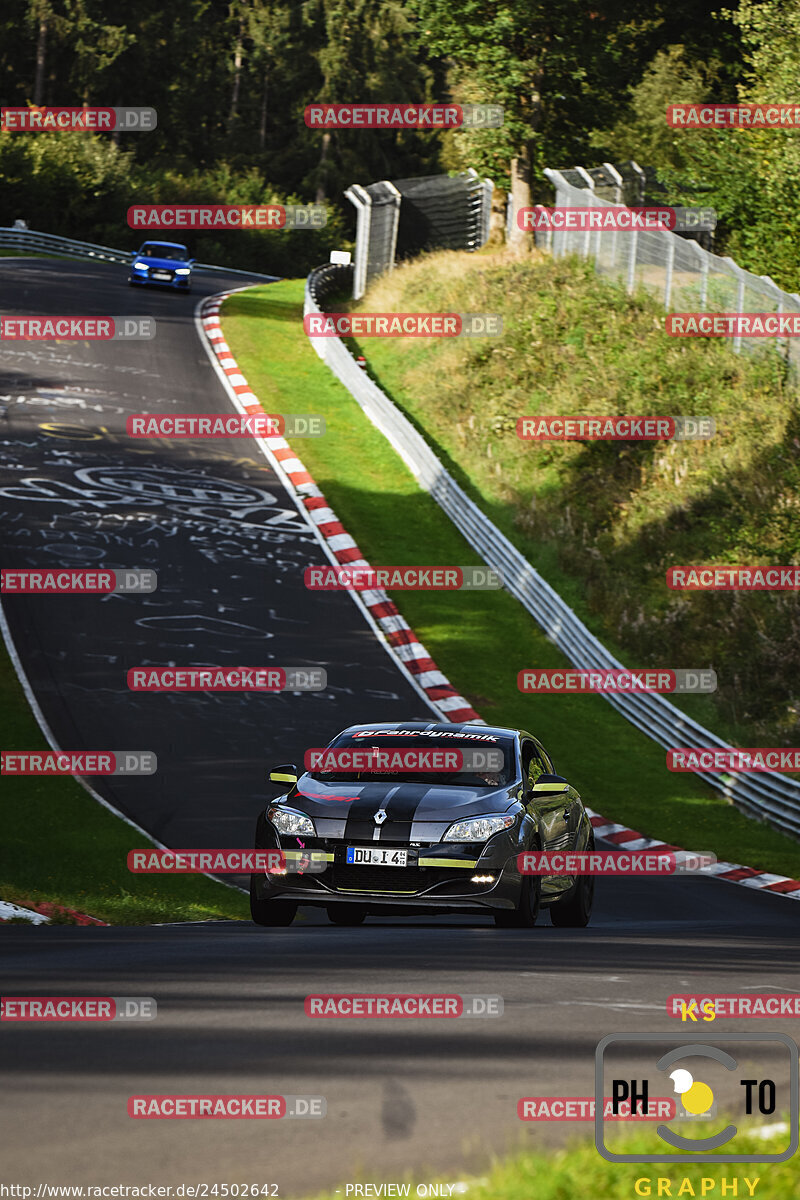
(603, 521)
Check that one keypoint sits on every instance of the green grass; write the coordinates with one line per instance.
(480, 639)
(59, 845)
(579, 1171)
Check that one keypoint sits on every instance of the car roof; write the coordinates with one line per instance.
(172, 245)
(420, 724)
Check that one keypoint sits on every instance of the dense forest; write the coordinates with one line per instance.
(581, 81)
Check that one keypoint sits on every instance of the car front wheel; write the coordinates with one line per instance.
(575, 911)
(526, 914)
(270, 912)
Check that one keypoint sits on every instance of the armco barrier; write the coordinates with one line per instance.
(769, 797)
(28, 242)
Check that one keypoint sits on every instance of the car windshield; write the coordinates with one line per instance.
(159, 250)
(444, 759)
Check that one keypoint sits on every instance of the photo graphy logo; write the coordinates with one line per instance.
(749, 1076)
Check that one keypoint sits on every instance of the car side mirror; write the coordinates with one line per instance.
(191, 262)
(286, 773)
(548, 784)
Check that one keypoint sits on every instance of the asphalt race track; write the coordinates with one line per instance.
(432, 1096)
(211, 518)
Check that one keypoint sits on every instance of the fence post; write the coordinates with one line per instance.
(642, 179)
(739, 273)
(587, 204)
(619, 198)
(669, 269)
(361, 199)
(558, 238)
(631, 283)
(395, 220)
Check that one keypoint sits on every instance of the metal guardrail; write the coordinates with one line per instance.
(767, 796)
(49, 243)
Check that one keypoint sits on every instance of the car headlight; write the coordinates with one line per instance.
(286, 821)
(182, 271)
(478, 829)
(140, 266)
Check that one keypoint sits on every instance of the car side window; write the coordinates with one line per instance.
(533, 765)
(536, 768)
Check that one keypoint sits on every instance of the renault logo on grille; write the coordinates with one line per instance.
(380, 816)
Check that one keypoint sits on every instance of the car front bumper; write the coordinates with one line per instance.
(444, 876)
(178, 282)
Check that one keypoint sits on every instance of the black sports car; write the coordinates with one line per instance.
(399, 839)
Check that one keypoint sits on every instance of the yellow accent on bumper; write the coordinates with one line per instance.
(314, 855)
(468, 864)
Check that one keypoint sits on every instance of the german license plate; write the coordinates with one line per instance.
(376, 856)
(161, 275)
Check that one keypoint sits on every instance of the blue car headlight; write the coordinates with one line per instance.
(478, 829)
(140, 266)
(182, 271)
(285, 820)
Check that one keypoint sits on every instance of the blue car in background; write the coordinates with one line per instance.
(165, 264)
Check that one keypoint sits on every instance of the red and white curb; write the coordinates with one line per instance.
(630, 839)
(42, 914)
(341, 548)
(412, 656)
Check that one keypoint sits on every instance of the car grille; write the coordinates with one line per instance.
(380, 879)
